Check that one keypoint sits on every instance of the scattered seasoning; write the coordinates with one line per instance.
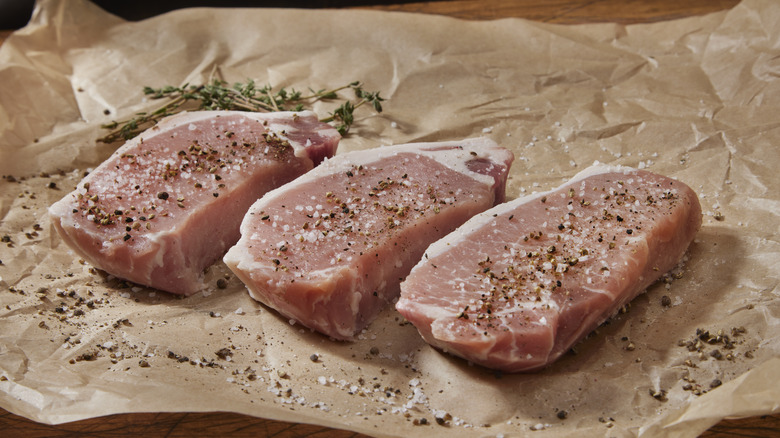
(143, 363)
(178, 358)
(162, 195)
(608, 421)
(659, 395)
(89, 356)
(443, 419)
(122, 322)
(223, 353)
(666, 301)
(707, 344)
(222, 283)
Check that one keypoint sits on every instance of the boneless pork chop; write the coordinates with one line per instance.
(169, 203)
(330, 248)
(516, 286)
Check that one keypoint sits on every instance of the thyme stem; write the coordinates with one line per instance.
(216, 95)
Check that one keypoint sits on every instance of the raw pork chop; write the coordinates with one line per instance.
(516, 286)
(169, 203)
(330, 248)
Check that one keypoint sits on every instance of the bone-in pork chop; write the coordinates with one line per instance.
(517, 286)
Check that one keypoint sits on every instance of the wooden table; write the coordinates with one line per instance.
(236, 425)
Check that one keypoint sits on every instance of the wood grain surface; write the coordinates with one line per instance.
(565, 11)
(235, 425)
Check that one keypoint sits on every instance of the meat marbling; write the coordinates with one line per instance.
(168, 203)
(329, 249)
(517, 286)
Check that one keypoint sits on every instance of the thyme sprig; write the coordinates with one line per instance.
(247, 96)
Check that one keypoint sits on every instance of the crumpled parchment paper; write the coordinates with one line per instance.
(696, 99)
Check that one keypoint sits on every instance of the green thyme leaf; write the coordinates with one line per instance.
(217, 95)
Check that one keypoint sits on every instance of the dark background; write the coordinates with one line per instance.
(16, 13)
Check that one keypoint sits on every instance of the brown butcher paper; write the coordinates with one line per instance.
(696, 99)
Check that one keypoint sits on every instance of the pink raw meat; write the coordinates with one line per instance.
(169, 202)
(330, 248)
(517, 286)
